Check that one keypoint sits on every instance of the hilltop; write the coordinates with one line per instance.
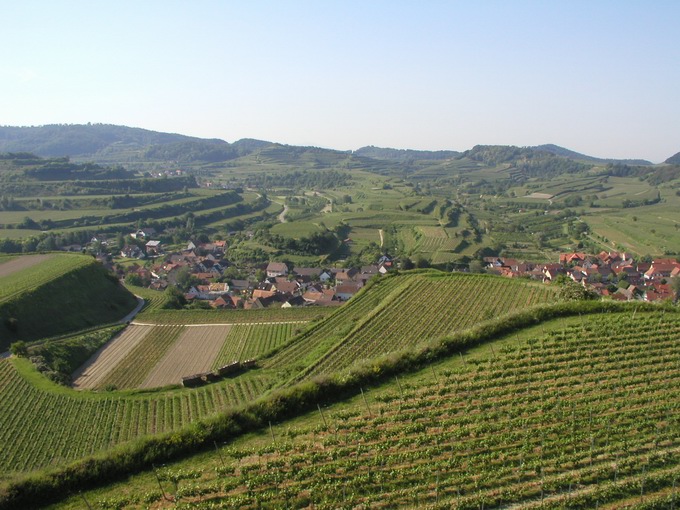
(107, 143)
(47, 295)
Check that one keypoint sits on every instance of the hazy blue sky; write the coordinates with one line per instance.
(599, 77)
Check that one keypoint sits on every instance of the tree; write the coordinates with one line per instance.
(19, 349)
(675, 285)
(407, 263)
(572, 291)
(476, 266)
(174, 298)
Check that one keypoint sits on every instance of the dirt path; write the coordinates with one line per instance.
(194, 352)
(95, 369)
(282, 216)
(382, 240)
(14, 265)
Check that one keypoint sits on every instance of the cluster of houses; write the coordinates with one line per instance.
(282, 286)
(152, 247)
(613, 274)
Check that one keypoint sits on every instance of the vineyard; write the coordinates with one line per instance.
(133, 368)
(250, 341)
(431, 305)
(43, 425)
(158, 316)
(35, 270)
(579, 414)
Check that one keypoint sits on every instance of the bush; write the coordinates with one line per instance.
(19, 349)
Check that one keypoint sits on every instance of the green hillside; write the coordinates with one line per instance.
(570, 414)
(60, 294)
(119, 417)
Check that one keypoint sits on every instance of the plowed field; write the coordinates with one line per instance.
(105, 359)
(193, 352)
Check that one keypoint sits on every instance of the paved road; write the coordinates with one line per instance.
(127, 318)
(131, 315)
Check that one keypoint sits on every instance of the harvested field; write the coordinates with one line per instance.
(107, 358)
(192, 353)
(20, 263)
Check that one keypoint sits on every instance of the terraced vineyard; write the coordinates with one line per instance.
(42, 424)
(584, 415)
(432, 304)
(249, 341)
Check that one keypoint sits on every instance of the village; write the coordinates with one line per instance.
(611, 274)
(207, 278)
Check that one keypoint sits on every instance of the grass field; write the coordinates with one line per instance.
(641, 230)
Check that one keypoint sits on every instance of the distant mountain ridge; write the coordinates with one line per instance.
(113, 144)
(384, 153)
(566, 153)
(673, 160)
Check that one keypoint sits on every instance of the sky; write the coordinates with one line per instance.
(601, 78)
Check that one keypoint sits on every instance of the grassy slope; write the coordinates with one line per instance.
(583, 410)
(63, 294)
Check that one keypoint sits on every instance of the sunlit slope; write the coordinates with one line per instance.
(577, 413)
(398, 312)
(59, 294)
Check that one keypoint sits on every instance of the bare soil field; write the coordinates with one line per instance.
(105, 359)
(19, 263)
(194, 352)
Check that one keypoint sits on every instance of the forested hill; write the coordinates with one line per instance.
(403, 154)
(566, 153)
(674, 160)
(141, 149)
(106, 143)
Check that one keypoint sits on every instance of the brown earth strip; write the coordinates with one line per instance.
(192, 353)
(95, 369)
(20, 263)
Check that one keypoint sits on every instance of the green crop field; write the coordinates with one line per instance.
(398, 312)
(250, 341)
(570, 414)
(49, 268)
(641, 230)
(328, 344)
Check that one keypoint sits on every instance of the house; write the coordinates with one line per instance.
(660, 270)
(240, 285)
(572, 258)
(143, 233)
(346, 275)
(275, 269)
(323, 297)
(552, 271)
(263, 294)
(346, 290)
(286, 287)
(154, 248)
(294, 301)
(132, 251)
(226, 301)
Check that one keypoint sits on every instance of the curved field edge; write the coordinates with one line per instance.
(37, 489)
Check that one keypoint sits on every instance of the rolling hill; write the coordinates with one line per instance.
(53, 294)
